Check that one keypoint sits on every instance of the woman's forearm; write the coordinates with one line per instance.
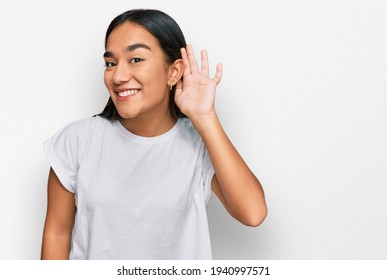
(242, 191)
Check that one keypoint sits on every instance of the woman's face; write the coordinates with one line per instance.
(136, 74)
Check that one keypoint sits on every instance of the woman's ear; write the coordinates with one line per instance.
(176, 70)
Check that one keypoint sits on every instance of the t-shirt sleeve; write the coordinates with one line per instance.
(64, 151)
(208, 173)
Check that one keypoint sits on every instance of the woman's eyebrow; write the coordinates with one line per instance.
(136, 46)
(129, 48)
(108, 54)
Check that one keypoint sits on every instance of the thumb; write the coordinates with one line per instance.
(179, 87)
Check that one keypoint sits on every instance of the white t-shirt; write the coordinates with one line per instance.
(137, 197)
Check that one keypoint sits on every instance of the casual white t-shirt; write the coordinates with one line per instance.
(136, 197)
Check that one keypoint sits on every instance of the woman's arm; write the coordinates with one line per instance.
(235, 185)
(59, 221)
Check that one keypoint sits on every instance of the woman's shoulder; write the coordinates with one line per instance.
(87, 123)
(189, 129)
(82, 128)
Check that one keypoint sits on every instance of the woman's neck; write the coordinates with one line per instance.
(150, 126)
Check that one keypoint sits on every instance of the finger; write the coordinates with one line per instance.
(204, 63)
(218, 74)
(187, 66)
(192, 59)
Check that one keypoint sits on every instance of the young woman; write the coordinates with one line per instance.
(134, 181)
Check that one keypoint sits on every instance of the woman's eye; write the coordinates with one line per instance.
(109, 64)
(135, 60)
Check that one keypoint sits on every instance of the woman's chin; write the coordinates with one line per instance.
(128, 115)
(127, 112)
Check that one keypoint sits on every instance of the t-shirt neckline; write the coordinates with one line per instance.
(144, 139)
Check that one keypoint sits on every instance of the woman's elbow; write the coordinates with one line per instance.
(255, 218)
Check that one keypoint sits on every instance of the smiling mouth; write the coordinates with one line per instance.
(127, 92)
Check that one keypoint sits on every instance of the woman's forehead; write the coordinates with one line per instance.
(128, 34)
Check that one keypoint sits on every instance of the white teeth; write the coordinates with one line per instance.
(127, 92)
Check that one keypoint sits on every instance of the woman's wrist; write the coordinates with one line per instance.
(205, 124)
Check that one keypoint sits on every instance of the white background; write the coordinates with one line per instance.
(303, 98)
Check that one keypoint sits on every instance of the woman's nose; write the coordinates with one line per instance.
(121, 73)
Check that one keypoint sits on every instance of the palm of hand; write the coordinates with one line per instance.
(195, 94)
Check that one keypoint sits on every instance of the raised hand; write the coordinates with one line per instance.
(236, 186)
(195, 95)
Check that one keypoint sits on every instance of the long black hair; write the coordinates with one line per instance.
(169, 36)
